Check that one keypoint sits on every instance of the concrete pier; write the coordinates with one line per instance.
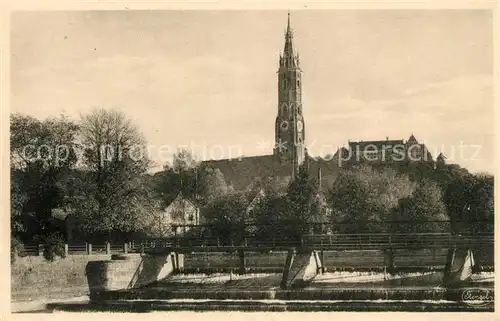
(300, 268)
(127, 272)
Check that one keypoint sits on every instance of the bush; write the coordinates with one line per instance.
(16, 246)
(53, 246)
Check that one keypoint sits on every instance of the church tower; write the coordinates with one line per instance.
(290, 131)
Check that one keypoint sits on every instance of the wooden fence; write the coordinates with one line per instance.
(80, 249)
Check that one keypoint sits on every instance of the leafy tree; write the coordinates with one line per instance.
(302, 205)
(43, 153)
(267, 215)
(213, 185)
(183, 176)
(425, 204)
(362, 198)
(117, 198)
(184, 160)
(18, 198)
(469, 200)
(225, 215)
(482, 204)
(444, 174)
(270, 184)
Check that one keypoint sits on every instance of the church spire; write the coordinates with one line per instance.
(288, 28)
(289, 54)
(290, 129)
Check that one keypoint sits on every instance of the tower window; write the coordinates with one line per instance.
(285, 84)
(298, 83)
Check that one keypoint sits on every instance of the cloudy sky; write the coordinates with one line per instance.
(207, 79)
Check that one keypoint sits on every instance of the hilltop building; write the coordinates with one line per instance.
(387, 151)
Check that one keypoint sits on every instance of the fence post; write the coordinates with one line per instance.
(108, 248)
(125, 248)
(323, 269)
(66, 249)
(242, 263)
(40, 249)
(89, 249)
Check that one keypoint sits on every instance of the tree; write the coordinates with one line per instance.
(302, 205)
(425, 204)
(267, 215)
(213, 185)
(362, 198)
(225, 215)
(184, 160)
(469, 201)
(117, 198)
(271, 184)
(42, 155)
(482, 203)
(182, 176)
(18, 198)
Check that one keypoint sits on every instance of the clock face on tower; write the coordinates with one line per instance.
(284, 125)
(299, 126)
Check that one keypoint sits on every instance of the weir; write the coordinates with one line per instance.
(301, 266)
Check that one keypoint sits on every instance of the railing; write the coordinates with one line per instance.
(373, 241)
(78, 249)
(340, 241)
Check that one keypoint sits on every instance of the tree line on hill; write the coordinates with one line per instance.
(363, 199)
(96, 170)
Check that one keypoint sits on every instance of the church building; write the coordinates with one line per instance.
(290, 151)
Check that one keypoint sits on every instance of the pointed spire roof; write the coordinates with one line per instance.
(289, 48)
(288, 28)
(412, 139)
(441, 156)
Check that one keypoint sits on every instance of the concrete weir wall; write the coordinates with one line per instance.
(32, 277)
(300, 268)
(128, 271)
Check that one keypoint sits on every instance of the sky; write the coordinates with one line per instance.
(206, 80)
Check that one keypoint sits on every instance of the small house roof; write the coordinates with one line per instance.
(441, 156)
(181, 196)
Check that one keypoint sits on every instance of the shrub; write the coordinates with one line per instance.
(16, 246)
(53, 246)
